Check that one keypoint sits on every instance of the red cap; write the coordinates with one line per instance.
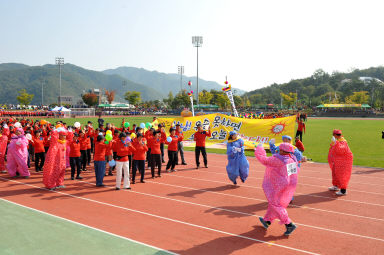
(337, 132)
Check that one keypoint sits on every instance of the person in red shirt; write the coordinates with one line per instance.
(199, 137)
(300, 129)
(74, 155)
(163, 137)
(123, 148)
(299, 145)
(38, 144)
(139, 157)
(172, 149)
(83, 138)
(148, 135)
(180, 147)
(99, 160)
(154, 143)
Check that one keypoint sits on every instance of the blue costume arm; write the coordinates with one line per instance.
(298, 154)
(273, 148)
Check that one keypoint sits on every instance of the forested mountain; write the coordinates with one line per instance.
(323, 87)
(14, 77)
(163, 82)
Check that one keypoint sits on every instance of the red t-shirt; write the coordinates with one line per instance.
(140, 150)
(100, 149)
(75, 149)
(38, 144)
(200, 138)
(172, 146)
(123, 150)
(154, 144)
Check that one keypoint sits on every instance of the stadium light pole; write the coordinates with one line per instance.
(60, 62)
(181, 72)
(197, 42)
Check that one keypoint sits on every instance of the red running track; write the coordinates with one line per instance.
(200, 212)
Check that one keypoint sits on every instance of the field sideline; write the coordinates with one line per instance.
(363, 136)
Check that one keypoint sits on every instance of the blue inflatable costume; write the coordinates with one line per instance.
(238, 164)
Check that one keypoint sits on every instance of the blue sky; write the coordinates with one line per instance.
(255, 43)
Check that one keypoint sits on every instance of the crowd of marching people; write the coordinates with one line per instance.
(124, 151)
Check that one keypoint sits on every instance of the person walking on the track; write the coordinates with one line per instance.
(199, 137)
(172, 141)
(300, 129)
(340, 159)
(238, 164)
(279, 184)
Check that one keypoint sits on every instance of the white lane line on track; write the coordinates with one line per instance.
(164, 218)
(306, 170)
(239, 212)
(263, 200)
(340, 199)
(87, 226)
(257, 178)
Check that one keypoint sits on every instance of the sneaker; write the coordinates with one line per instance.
(174, 170)
(128, 188)
(234, 183)
(339, 193)
(110, 174)
(290, 229)
(79, 177)
(168, 171)
(72, 178)
(265, 224)
(153, 177)
(159, 175)
(133, 182)
(100, 185)
(26, 177)
(60, 187)
(117, 188)
(197, 167)
(333, 188)
(206, 166)
(84, 170)
(184, 164)
(142, 181)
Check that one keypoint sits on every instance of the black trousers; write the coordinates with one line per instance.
(180, 148)
(31, 151)
(155, 161)
(172, 155)
(39, 161)
(130, 163)
(138, 165)
(83, 159)
(197, 155)
(89, 156)
(92, 145)
(162, 152)
(299, 133)
(75, 165)
(149, 157)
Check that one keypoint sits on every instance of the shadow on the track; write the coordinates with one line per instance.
(373, 171)
(314, 198)
(193, 193)
(231, 244)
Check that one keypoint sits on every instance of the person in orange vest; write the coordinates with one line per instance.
(200, 137)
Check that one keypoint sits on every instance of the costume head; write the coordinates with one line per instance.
(286, 147)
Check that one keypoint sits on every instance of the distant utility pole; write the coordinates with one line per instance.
(181, 72)
(60, 62)
(42, 93)
(197, 42)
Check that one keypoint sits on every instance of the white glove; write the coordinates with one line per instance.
(70, 129)
(272, 141)
(333, 139)
(234, 149)
(5, 125)
(238, 149)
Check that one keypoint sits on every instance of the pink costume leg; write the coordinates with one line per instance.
(11, 165)
(22, 166)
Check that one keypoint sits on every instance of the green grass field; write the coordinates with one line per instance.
(363, 136)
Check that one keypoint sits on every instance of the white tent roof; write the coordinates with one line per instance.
(60, 109)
